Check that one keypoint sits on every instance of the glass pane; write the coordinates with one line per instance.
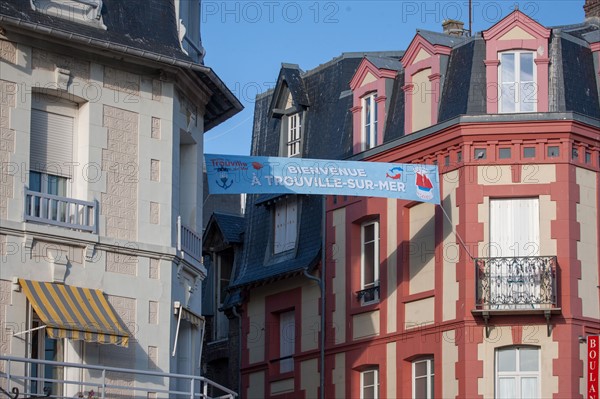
(420, 369)
(529, 152)
(529, 359)
(507, 96)
(507, 360)
(369, 232)
(421, 388)
(369, 393)
(368, 378)
(526, 67)
(528, 97)
(35, 181)
(529, 388)
(507, 65)
(507, 388)
(369, 263)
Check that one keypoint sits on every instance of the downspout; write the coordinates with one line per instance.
(321, 283)
(239, 382)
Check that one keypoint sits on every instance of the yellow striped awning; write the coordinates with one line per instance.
(75, 313)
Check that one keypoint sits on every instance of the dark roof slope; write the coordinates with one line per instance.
(579, 77)
(142, 24)
(394, 126)
(441, 38)
(232, 226)
(465, 84)
(385, 63)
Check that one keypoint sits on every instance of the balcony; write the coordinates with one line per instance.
(61, 211)
(189, 241)
(516, 285)
(73, 380)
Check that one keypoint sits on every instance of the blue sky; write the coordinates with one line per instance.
(246, 41)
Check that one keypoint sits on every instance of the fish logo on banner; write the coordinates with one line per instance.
(396, 173)
(424, 185)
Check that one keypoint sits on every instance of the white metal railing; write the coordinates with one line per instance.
(16, 374)
(188, 240)
(61, 211)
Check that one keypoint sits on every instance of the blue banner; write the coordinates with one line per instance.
(236, 174)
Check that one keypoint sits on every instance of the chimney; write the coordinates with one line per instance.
(453, 27)
(592, 8)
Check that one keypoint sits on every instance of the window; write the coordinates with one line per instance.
(514, 227)
(553, 151)
(422, 376)
(504, 153)
(518, 89)
(480, 153)
(45, 348)
(287, 341)
(369, 383)
(294, 134)
(517, 373)
(369, 121)
(516, 279)
(529, 152)
(51, 154)
(369, 262)
(286, 216)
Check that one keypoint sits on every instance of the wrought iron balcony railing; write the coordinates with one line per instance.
(61, 211)
(368, 295)
(521, 283)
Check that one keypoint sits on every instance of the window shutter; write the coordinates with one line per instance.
(287, 340)
(514, 227)
(51, 143)
(279, 241)
(291, 230)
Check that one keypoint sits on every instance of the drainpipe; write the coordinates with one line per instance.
(321, 283)
(239, 382)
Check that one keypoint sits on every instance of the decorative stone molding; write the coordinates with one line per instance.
(63, 78)
(59, 264)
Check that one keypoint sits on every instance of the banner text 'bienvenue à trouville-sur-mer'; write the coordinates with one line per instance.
(236, 174)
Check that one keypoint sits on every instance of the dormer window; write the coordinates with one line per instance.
(517, 82)
(83, 11)
(369, 117)
(294, 128)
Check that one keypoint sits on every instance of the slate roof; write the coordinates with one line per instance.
(139, 28)
(232, 226)
(440, 38)
(143, 24)
(385, 63)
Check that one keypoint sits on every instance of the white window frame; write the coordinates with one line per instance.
(285, 238)
(429, 377)
(363, 386)
(287, 349)
(363, 243)
(369, 123)
(294, 134)
(518, 375)
(517, 83)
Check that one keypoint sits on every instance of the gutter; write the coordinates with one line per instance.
(148, 55)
